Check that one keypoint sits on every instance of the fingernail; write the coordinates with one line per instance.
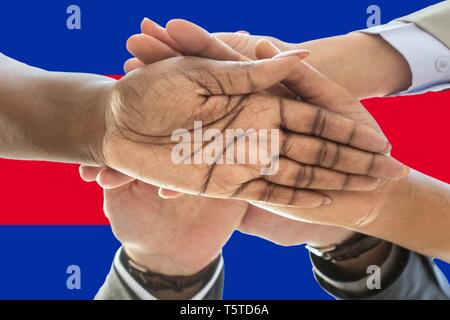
(326, 201)
(300, 53)
(243, 32)
(152, 22)
(202, 92)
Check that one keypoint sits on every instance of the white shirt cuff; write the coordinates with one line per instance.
(143, 294)
(427, 57)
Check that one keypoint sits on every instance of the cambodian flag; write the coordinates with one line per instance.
(51, 221)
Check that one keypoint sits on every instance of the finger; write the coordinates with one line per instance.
(297, 175)
(154, 30)
(201, 43)
(192, 40)
(327, 154)
(169, 194)
(132, 64)
(110, 179)
(148, 49)
(237, 78)
(314, 87)
(261, 190)
(89, 173)
(305, 118)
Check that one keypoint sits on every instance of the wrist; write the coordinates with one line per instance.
(69, 120)
(364, 64)
(163, 264)
(49, 115)
(163, 286)
(88, 125)
(390, 198)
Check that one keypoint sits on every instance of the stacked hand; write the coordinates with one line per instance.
(163, 226)
(174, 237)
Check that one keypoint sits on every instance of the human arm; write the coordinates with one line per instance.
(408, 55)
(175, 239)
(50, 115)
(129, 124)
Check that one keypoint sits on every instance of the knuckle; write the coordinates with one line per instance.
(267, 193)
(322, 153)
(299, 178)
(309, 177)
(319, 122)
(336, 157)
(286, 143)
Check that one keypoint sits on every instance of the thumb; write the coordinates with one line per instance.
(236, 78)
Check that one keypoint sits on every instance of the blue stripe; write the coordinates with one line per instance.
(99, 46)
(35, 259)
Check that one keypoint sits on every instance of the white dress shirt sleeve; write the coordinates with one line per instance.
(143, 294)
(428, 58)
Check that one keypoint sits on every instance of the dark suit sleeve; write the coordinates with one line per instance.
(120, 285)
(417, 278)
(434, 19)
(216, 292)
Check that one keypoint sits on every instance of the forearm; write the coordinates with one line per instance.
(49, 115)
(413, 212)
(366, 65)
(416, 216)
